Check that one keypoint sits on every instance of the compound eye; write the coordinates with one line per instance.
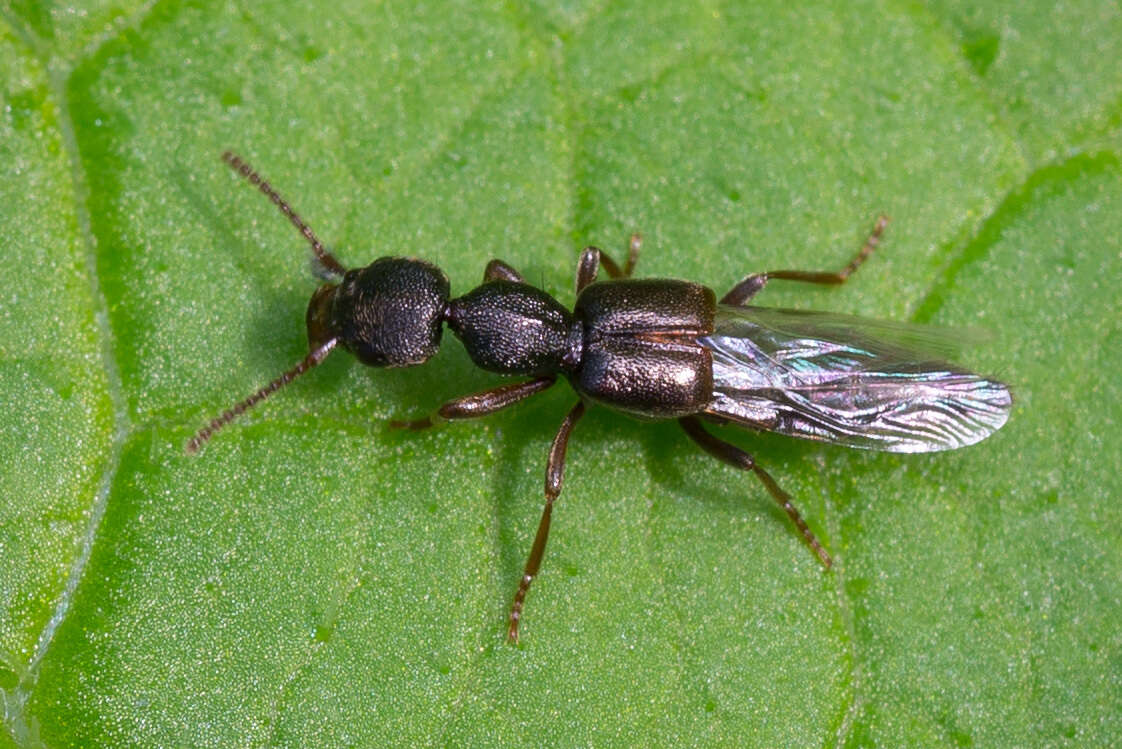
(319, 319)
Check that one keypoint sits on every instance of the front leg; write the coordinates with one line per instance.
(498, 270)
(479, 404)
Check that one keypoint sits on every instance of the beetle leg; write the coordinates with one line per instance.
(479, 404)
(497, 269)
(587, 266)
(740, 294)
(633, 245)
(593, 258)
(554, 474)
(751, 285)
(737, 458)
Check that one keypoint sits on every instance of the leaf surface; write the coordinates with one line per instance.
(314, 578)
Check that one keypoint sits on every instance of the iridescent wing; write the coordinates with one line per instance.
(849, 381)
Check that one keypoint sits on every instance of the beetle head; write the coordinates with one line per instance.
(388, 314)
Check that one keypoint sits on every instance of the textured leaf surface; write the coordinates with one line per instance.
(315, 578)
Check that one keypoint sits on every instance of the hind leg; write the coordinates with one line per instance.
(737, 458)
(753, 284)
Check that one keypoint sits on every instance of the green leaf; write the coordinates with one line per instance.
(314, 578)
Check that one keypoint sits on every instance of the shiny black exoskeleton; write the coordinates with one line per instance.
(629, 345)
(637, 346)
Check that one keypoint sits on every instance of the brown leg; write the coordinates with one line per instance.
(751, 285)
(593, 258)
(497, 269)
(554, 474)
(479, 404)
(737, 458)
(587, 266)
(633, 245)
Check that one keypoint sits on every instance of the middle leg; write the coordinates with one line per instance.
(593, 258)
(554, 475)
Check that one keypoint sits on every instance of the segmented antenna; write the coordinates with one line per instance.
(325, 258)
(309, 361)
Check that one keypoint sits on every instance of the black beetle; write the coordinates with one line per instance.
(655, 349)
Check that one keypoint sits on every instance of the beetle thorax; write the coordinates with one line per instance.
(513, 328)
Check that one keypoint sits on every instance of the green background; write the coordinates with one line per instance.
(314, 578)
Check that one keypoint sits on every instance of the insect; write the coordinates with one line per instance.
(654, 349)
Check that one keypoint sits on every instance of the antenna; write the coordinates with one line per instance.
(325, 258)
(309, 361)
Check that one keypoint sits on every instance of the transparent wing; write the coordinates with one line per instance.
(849, 381)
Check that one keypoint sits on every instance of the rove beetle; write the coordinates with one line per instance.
(654, 349)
